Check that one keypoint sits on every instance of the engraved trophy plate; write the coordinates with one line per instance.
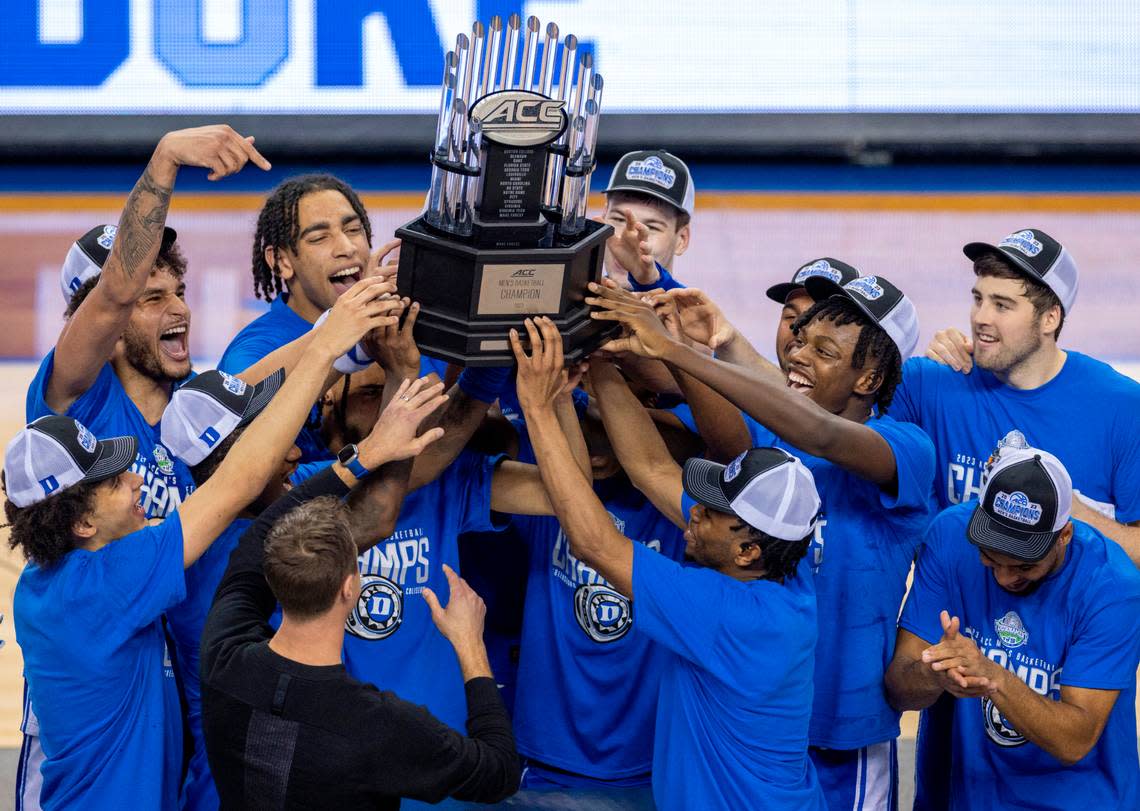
(504, 234)
(530, 289)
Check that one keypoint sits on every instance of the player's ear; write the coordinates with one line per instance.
(683, 234)
(1050, 320)
(279, 261)
(350, 588)
(84, 528)
(748, 554)
(868, 382)
(1066, 535)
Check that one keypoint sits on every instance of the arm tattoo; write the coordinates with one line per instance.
(141, 224)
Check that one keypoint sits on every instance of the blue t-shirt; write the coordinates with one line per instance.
(107, 411)
(735, 695)
(185, 622)
(1080, 628)
(1088, 416)
(581, 635)
(391, 640)
(98, 672)
(861, 555)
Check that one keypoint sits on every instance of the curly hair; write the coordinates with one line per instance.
(278, 226)
(873, 343)
(43, 530)
(780, 557)
(170, 258)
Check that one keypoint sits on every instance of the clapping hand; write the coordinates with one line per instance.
(959, 664)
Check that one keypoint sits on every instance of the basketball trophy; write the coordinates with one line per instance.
(504, 235)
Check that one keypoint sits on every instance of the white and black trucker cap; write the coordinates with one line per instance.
(766, 488)
(882, 302)
(1037, 254)
(657, 173)
(1026, 500)
(207, 409)
(825, 267)
(54, 453)
(89, 253)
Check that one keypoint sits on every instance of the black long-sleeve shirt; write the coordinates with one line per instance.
(283, 735)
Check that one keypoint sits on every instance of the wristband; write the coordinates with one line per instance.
(485, 383)
(354, 360)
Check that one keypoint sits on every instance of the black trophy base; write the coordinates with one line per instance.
(470, 297)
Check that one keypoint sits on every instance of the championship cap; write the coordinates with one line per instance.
(54, 453)
(880, 300)
(1037, 254)
(89, 253)
(826, 268)
(657, 173)
(208, 408)
(766, 488)
(1026, 500)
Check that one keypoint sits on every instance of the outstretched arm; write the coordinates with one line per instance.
(584, 519)
(88, 338)
(255, 456)
(639, 447)
(795, 418)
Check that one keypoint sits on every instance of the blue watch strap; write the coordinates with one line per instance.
(358, 470)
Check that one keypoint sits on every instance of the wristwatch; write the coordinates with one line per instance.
(349, 456)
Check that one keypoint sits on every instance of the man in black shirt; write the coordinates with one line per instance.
(285, 726)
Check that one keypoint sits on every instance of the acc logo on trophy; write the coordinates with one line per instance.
(519, 117)
(604, 614)
(379, 609)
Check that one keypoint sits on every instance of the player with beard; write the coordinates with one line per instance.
(1024, 288)
(1021, 379)
(873, 474)
(1030, 623)
(111, 725)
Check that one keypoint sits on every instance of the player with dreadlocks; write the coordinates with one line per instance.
(874, 476)
(313, 242)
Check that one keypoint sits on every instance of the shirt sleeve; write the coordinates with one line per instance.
(1106, 645)
(472, 476)
(665, 281)
(914, 464)
(1126, 466)
(85, 408)
(247, 349)
(142, 574)
(679, 607)
(905, 405)
(431, 760)
(929, 594)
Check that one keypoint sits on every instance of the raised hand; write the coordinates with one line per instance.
(394, 346)
(357, 311)
(951, 348)
(700, 317)
(629, 248)
(216, 147)
(393, 437)
(959, 664)
(644, 334)
(542, 375)
(461, 621)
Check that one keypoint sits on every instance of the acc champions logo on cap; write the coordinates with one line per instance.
(821, 268)
(603, 614)
(1016, 506)
(651, 170)
(866, 286)
(1024, 241)
(1011, 631)
(733, 469)
(107, 238)
(379, 609)
(85, 437)
(233, 385)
